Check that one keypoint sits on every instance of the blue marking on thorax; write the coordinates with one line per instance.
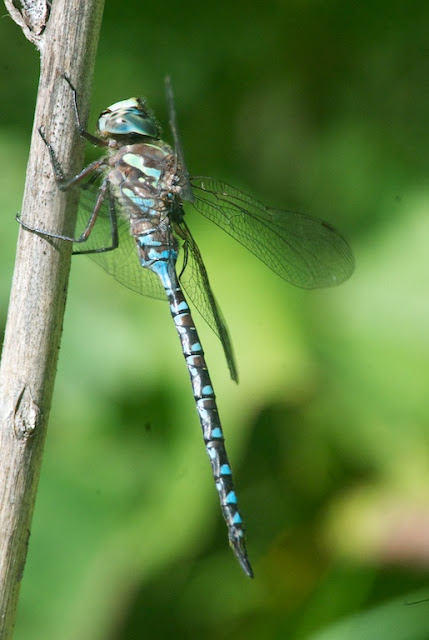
(137, 162)
(217, 433)
(225, 470)
(145, 204)
(154, 173)
(196, 346)
(146, 241)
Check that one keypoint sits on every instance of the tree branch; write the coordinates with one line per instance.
(37, 302)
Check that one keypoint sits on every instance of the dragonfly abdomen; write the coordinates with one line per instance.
(205, 401)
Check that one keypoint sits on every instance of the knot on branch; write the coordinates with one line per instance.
(26, 415)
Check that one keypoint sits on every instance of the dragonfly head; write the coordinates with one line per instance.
(127, 118)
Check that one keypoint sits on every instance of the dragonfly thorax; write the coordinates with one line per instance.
(128, 118)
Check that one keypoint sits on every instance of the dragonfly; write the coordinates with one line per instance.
(133, 199)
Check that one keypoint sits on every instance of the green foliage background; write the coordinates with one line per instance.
(310, 105)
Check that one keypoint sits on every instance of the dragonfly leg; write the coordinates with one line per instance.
(102, 193)
(63, 182)
(42, 232)
(82, 131)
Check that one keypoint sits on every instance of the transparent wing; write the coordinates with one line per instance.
(305, 251)
(195, 282)
(122, 262)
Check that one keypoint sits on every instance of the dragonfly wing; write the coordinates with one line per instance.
(305, 251)
(196, 283)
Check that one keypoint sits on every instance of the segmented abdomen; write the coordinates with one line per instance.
(205, 401)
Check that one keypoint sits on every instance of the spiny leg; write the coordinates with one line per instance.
(63, 182)
(103, 192)
(81, 129)
(92, 171)
(104, 189)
